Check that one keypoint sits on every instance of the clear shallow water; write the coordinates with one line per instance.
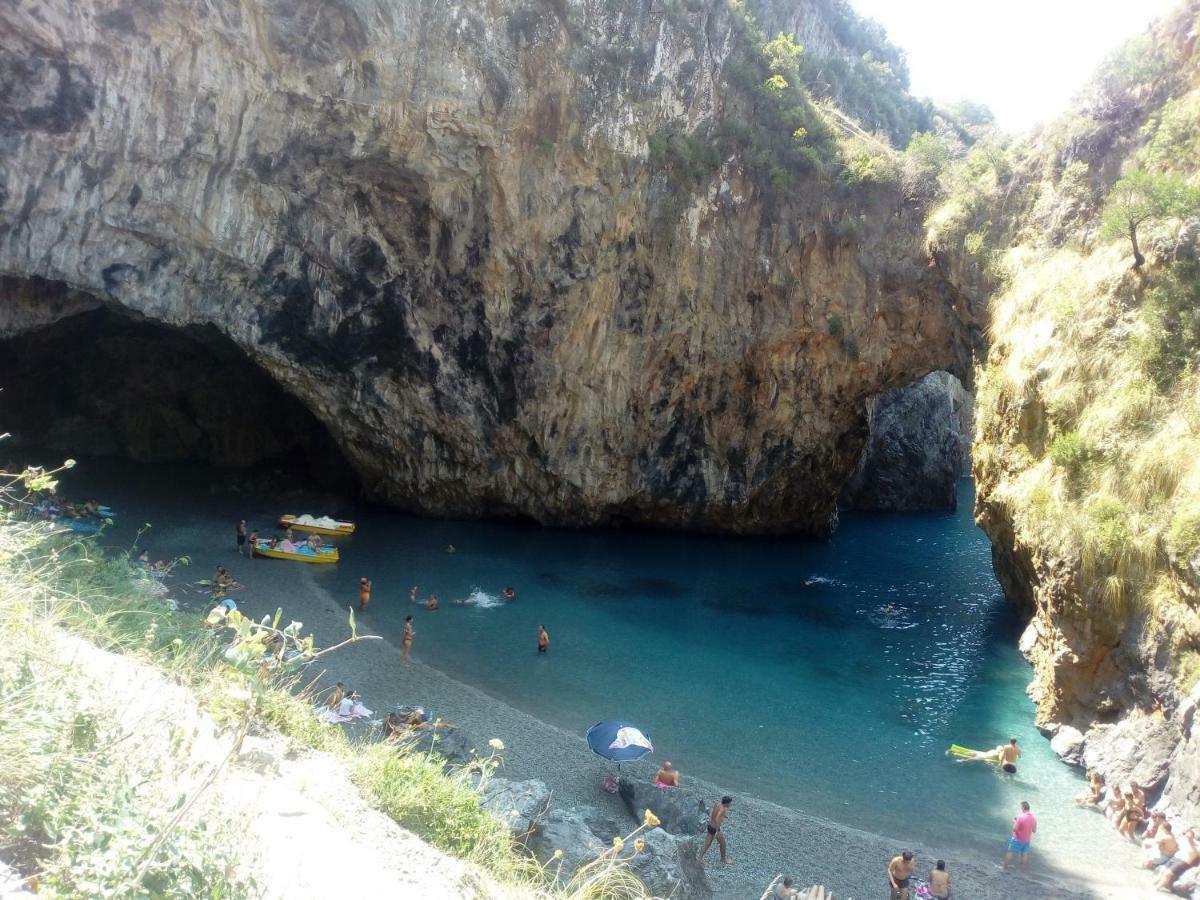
(828, 677)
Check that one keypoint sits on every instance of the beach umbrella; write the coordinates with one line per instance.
(619, 741)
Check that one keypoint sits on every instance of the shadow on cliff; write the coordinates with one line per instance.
(103, 384)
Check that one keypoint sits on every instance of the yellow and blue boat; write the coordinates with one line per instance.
(303, 553)
(342, 528)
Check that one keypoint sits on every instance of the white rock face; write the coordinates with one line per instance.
(442, 227)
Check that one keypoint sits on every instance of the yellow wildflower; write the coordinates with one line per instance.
(639, 845)
(558, 854)
(618, 844)
(650, 819)
(496, 744)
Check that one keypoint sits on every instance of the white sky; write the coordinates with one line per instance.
(1023, 58)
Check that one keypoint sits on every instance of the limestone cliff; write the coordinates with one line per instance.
(1087, 448)
(445, 229)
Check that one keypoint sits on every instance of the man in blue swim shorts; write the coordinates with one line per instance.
(1024, 825)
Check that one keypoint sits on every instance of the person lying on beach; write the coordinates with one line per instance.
(350, 708)
(666, 777)
(1187, 857)
(432, 602)
(1160, 848)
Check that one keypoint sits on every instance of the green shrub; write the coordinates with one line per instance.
(1167, 341)
(1183, 537)
(1068, 451)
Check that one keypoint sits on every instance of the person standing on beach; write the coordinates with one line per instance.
(543, 639)
(252, 542)
(715, 820)
(900, 870)
(364, 593)
(1024, 825)
(241, 536)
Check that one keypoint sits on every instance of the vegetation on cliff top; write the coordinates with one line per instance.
(1085, 238)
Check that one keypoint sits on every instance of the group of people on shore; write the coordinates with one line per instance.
(1165, 850)
(903, 868)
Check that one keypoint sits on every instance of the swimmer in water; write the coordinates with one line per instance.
(543, 639)
(509, 594)
(432, 602)
(412, 595)
(450, 548)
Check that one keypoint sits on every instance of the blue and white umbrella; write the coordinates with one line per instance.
(619, 741)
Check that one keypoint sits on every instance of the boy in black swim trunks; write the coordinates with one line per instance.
(715, 819)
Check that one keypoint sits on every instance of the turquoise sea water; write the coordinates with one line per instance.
(828, 677)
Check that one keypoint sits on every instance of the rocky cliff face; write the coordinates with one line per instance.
(1085, 462)
(919, 442)
(442, 228)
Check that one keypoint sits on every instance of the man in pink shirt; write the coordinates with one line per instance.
(1024, 825)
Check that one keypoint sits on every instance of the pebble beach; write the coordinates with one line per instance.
(765, 839)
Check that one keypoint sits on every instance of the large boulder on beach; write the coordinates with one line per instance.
(565, 830)
(452, 744)
(677, 810)
(1068, 744)
(1132, 750)
(667, 865)
(518, 804)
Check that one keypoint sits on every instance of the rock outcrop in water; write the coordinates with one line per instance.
(920, 438)
(447, 233)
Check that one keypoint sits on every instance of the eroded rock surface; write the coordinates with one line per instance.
(919, 439)
(442, 228)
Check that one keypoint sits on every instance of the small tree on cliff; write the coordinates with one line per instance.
(1142, 197)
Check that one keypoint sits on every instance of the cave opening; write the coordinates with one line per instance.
(104, 383)
(917, 449)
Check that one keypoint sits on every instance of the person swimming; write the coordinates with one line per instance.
(543, 639)
(432, 602)
(509, 594)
